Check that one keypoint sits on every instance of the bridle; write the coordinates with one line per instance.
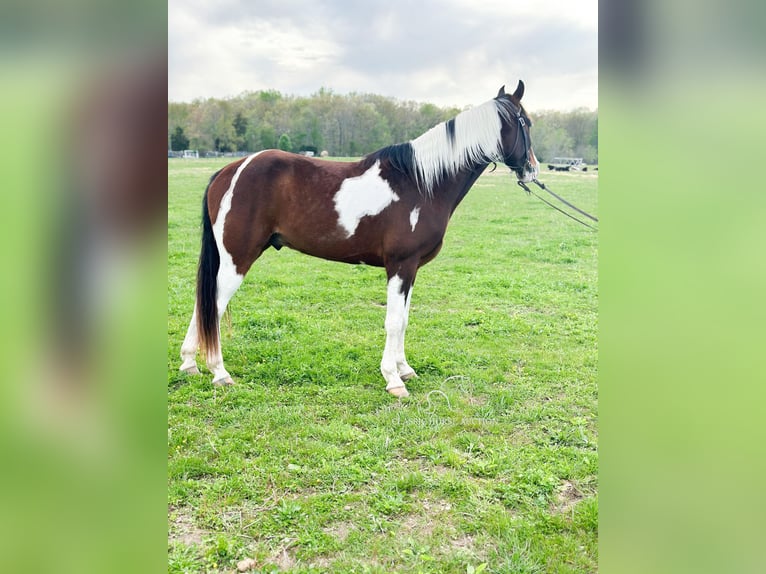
(507, 158)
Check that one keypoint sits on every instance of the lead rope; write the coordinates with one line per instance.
(562, 200)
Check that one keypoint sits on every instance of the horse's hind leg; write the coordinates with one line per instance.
(228, 283)
(190, 346)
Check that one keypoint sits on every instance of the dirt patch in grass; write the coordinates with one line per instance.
(416, 526)
(464, 542)
(285, 559)
(567, 497)
(466, 546)
(431, 515)
(340, 530)
(435, 507)
(183, 530)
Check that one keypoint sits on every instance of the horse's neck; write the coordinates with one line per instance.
(460, 184)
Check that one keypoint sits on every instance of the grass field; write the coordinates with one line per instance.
(308, 465)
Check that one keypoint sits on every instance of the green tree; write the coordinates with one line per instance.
(351, 124)
(268, 137)
(269, 96)
(210, 125)
(178, 116)
(553, 142)
(240, 132)
(284, 143)
(178, 140)
(240, 124)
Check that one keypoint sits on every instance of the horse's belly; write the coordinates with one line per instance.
(331, 248)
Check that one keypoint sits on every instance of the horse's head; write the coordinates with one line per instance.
(515, 139)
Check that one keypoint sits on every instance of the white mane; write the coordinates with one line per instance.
(477, 140)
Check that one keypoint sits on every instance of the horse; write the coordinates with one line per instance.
(390, 209)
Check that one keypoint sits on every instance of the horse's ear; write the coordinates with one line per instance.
(501, 91)
(519, 93)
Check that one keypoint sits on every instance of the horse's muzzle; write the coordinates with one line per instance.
(528, 173)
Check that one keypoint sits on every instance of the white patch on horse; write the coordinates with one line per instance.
(367, 194)
(414, 214)
(227, 263)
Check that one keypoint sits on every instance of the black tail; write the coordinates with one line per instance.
(207, 283)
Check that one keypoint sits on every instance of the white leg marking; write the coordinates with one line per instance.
(414, 214)
(403, 368)
(396, 323)
(228, 283)
(367, 194)
(190, 345)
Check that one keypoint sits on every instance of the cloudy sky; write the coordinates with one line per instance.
(449, 52)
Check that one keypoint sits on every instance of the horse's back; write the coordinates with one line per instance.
(274, 177)
(294, 176)
(295, 187)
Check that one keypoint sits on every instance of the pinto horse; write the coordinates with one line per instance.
(390, 209)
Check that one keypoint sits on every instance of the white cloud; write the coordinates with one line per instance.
(583, 13)
(450, 53)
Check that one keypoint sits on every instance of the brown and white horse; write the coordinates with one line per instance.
(390, 209)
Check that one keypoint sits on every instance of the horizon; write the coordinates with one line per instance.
(364, 93)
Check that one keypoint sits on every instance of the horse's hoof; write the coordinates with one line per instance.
(407, 375)
(225, 382)
(193, 370)
(398, 392)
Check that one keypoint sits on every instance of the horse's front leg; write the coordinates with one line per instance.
(394, 366)
(402, 367)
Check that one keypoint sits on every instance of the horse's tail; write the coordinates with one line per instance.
(207, 283)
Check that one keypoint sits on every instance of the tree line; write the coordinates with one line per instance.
(347, 125)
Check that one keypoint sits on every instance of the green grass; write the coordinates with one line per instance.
(308, 465)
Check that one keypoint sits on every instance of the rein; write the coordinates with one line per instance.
(521, 133)
(561, 199)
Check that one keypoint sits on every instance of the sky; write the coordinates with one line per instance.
(448, 52)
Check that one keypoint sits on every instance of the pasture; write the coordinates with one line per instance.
(308, 465)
